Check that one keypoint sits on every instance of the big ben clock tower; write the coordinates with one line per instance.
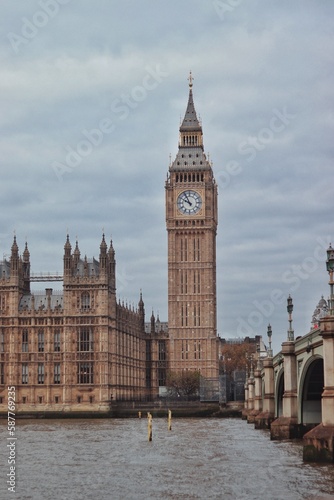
(191, 218)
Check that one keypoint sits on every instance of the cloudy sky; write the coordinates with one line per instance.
(91, 99)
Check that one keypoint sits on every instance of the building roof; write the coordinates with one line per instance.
(190, 120)
(40, 301)
(192, 158)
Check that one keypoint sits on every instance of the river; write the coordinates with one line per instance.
(198, 459)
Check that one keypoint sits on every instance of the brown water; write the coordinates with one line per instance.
(198, 459)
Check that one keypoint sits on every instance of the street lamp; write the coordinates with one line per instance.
(269, 333)
(290, 309)
(330, 269)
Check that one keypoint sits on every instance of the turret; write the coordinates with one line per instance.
(103, 256)
(152, 324)
(112, 266)
(141, 311)
(76, 255)
(26, 269)
(14, 259)
(67, 257)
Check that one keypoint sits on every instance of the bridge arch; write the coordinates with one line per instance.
(310, 390)
(279, 393)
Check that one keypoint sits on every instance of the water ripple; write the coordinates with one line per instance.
(198, 459)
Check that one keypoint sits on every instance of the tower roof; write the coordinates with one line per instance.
(190, 120)
(191, 154)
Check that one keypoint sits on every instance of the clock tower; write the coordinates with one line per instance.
(191, 219)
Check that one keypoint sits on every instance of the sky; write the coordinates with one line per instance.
(92, 94)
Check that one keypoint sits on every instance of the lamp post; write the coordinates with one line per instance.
(290, 309)
(330, 269)
(269, 333)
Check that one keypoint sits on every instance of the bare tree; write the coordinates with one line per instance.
(184, 384)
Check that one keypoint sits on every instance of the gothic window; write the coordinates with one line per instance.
(161, 377)
(184, 282)
(40, 373)
(148, 378)
(197, 282)
(85, 301)
(148, 350)
(2, 341)
(162, 350)
(85, 339)
(85, 373)
(195, 349)
(197, 249)
(40, 340)
(25, 340)
(199, 350)
(56, 373)
(57, 341)
(2, 373)
(187, 349)
(182, 350)
(24, 373)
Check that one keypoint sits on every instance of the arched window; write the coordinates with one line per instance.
(85, 300)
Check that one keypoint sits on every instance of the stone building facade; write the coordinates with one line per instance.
(75, 350)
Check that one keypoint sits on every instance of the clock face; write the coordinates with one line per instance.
(189, 202)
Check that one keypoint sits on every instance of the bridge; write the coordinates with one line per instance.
(45, 277)
(292, 393)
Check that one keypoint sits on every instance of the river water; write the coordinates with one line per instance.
(198, 459)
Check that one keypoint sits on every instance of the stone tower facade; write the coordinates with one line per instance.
(191, 219)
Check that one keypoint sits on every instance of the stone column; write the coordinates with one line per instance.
(264, 418)
(245, 410)
(250, 396)
(257, 392)
(286, 426)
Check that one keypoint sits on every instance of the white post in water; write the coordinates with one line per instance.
(169, 420)
(149, 426)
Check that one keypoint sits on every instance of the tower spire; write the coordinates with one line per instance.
(190, 121)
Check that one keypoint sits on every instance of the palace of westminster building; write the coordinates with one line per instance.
(81, 349)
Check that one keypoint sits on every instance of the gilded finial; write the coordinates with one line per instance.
(190, 79)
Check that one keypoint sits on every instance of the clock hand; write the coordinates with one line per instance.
(187, 199)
